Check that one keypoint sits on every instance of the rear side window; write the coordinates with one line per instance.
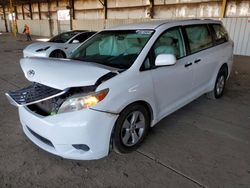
(221, 35)
(199, 37)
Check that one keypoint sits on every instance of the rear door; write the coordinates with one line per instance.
(201, 55)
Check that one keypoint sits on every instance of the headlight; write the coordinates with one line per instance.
(43, 49)
(81, 102)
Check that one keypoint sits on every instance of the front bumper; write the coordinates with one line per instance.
(56, 134)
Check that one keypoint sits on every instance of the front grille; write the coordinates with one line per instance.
(44, 140)
(34, 93)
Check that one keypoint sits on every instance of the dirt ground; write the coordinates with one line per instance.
(204, 144)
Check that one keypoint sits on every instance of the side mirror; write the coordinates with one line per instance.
(165, 60)
(75, 41)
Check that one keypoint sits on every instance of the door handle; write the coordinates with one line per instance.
(197, 60)
(188, 64)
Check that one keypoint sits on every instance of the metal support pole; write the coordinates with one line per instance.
(5, 19)
(223, 8)
(73, 9)
(39, 11)
(105, 9)
(30, 10)
(71, 12)
(16, 14)
(151, 8)
(16, 18)
(49, 18)
(23, 12)
(13, 20)
(104, 4)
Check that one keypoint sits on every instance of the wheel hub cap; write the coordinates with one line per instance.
(220, 85)
(133, 128)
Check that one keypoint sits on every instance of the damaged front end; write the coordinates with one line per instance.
(44, 100)
(51, 89)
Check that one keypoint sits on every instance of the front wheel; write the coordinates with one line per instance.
(131, 128)
(58, 54)
(219, 86)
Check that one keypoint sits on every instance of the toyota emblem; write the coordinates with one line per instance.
(31, 73)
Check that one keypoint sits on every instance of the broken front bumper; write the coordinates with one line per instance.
(58, 134)
(82, 135)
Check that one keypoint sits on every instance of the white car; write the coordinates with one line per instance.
(119, 83)
(59, 46)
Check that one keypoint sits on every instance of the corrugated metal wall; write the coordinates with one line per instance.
(2, 25)
(239, 31)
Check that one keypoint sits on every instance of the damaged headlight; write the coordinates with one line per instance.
(81, 102)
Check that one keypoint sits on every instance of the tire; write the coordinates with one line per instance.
(131, 128)
(219, 85)
(58, 54)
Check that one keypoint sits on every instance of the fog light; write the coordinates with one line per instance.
(81, 146)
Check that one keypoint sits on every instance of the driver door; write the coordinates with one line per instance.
(173, 85)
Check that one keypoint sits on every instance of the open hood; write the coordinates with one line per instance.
(62, 73)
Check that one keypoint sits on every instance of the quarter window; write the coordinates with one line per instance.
(199, 37)
(221, 35)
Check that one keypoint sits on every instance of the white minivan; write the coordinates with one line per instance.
(119, 83)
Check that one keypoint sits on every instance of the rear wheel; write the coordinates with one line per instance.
(58, 54)
(219, 86)
(131, 128)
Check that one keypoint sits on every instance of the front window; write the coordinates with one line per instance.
(63, 37)
(117, 49)
(170, 42)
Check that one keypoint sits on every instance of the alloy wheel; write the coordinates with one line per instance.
(133, 128)
(220, 85)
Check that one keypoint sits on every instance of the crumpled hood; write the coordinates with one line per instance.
(62, 73)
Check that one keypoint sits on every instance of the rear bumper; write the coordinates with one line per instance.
(56, 134)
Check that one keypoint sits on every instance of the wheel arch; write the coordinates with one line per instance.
(144, 104)
(138, 102)
(147, 107)
(224, 67)
(57, 50)
(221, 67)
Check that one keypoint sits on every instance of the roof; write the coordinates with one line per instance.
(156, 23)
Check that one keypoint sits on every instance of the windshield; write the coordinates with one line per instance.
(63, 37)
(117, 49)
